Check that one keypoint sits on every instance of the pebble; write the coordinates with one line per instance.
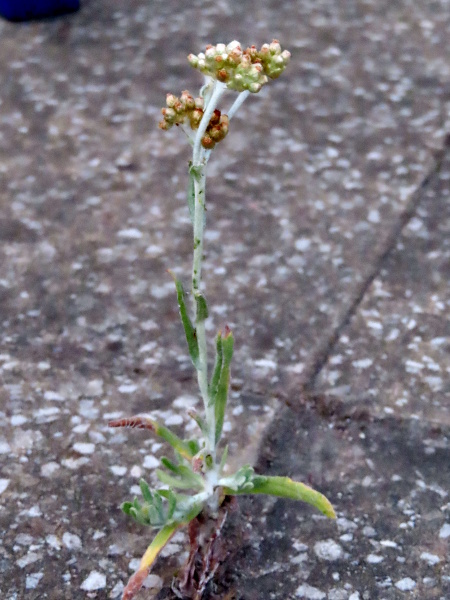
(309, 592)
(84, 447)
(444, 533)
(431, 559)
(3, 485)
(71, 541)
(94, 581)
(328, 550)
(150, 462)
(406, 584)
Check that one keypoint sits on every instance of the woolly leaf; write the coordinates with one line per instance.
(189, 329)
(285, 487)
(221, 396)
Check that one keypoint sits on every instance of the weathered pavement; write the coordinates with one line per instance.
(328, 253)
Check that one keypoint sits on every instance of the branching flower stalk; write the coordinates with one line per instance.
(195, 482)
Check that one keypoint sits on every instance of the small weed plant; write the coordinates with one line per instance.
(194, 481)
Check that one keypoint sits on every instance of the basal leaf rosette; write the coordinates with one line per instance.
(242, 70)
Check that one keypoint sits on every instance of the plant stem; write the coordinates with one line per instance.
(237, 103)
(199, 159)
(198, 153)
(202, 367)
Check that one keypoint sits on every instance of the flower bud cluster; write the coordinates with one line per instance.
(179, 111)
(241, 69)
(187, 109)
(215, 132)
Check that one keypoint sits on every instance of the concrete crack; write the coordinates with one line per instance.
(325, 349)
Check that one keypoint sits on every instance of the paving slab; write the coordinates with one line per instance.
(394, 355)
(307, 190)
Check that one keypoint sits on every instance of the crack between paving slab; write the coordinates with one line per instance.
(325, 350)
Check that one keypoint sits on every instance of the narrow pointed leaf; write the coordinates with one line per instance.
(202, 307)
(202, 425)
(146, 493)
(285, 487)
(217, 368)
(194, 446)
(140, 422)
(172, 502)
(220, 399)
(179, 483)
(169, 465)
(189, 329)
(161, 539)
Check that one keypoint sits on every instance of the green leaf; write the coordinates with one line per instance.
(139, 422)
(285, 487)
(189, 329)
(172, 502)
(169, 465)
(194, 446)
(221, 396)
(185, 482)
(146, 493)
(202, 308)
(240, 482)
(217, 368)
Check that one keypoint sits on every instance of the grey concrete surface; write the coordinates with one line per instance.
(327, 232)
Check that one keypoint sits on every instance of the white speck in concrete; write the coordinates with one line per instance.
(174, 420)
(406, 584)
(94, 581)
(328, 550)
(17, 420)
(150, 462)
(388, 544)
(71, 541)
(373, 216)
(4, 484)
(354, 596)
(32, 580)
(300, 547)
(127, 388)
(74, 463)
(431, 559)
(373, 559)
(117, 590)
(153, 581)
(84, 447)
(136, 471)
(118, 470)
(5, 448)
(81, 428)
(362, 363)
(49, 395)
(302, 244)
(185, 401)
(53, 542)
(309, 592)
(34, 511)
(94, 388)
(28, 559)
(24, 539)
(444, 532)
(49, 468)
(130, 234)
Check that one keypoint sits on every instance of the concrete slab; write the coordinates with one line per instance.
(393, 357)
(302, 197)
